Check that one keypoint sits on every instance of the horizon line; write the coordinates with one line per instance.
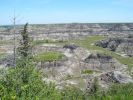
(71, 23)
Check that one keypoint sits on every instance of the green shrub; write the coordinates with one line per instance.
(121, 89)
(27, 84)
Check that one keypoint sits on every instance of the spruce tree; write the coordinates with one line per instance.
(25, 48)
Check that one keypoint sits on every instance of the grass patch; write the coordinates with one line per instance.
(48, 56)
(87, 72)
(39, 42)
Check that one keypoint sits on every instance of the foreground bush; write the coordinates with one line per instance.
(25, 85)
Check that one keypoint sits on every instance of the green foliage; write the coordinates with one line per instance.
(25, 85)
(123, 89)
(95, 86)
(94, 89)
(72, 93)
(115, 92)
(24, 50)
(49, 56)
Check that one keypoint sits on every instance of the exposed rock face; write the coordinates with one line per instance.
(46, 47)
(116, 77)
(81, 53)
(119, 27)
(123, 45)
(69, 71)
(112, 45)
(98, 56)
(8, 49)
(66, 31)
(102, 62)
(71, 47)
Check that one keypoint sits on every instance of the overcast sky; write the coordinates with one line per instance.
(66, 11)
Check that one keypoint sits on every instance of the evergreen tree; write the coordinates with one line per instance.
(25, 48)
